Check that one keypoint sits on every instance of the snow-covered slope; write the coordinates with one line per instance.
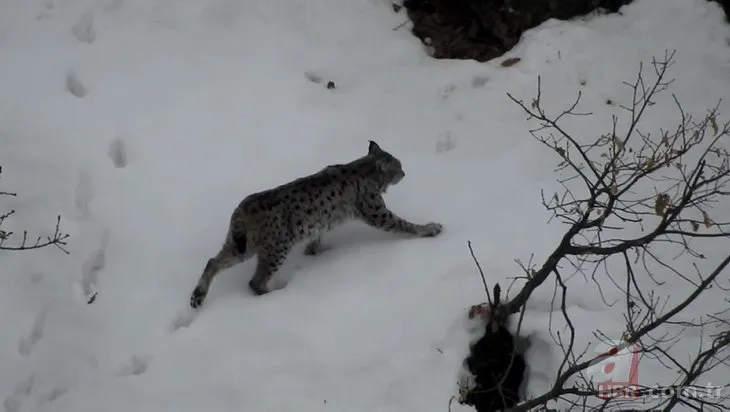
(188, 105)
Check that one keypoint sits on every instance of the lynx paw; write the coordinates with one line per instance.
(315, 248)
(431, 229)
(197, 297)
(258, 288)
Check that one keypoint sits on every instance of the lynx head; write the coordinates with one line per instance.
(389, 169)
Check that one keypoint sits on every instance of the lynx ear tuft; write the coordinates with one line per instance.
(373, 147)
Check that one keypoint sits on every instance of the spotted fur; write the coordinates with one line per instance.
(268, 224)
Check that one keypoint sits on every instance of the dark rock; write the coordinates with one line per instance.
(484, 29)
(725, 4)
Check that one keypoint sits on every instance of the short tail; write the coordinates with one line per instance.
(239, 239)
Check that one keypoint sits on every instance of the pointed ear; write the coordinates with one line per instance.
(373, 148)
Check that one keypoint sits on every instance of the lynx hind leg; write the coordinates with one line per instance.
(226, 258)
(270, 259)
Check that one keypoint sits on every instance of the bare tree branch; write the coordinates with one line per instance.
(628, 200)
(58, 239)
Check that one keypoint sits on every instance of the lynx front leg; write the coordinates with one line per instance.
(377, 215)
(390, 222)
(225, 259)
(269, 263)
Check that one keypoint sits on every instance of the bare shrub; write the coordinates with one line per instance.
(637, 206)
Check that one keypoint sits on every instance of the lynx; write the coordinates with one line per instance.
(268, 224)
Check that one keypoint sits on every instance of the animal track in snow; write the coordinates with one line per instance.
(313, 77)
(137, 365)
(118, 152)
(479, 81)
(54, 394)
(13, 403)
(183, 320)
(446, 142)
(91, 268)
(83, 194)
(319, 79)
(74, 85)
(447, 90)
(27, 344)
(45, 13)
(84, 30)
(20, 393)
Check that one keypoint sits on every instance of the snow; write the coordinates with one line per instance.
(143, 123)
